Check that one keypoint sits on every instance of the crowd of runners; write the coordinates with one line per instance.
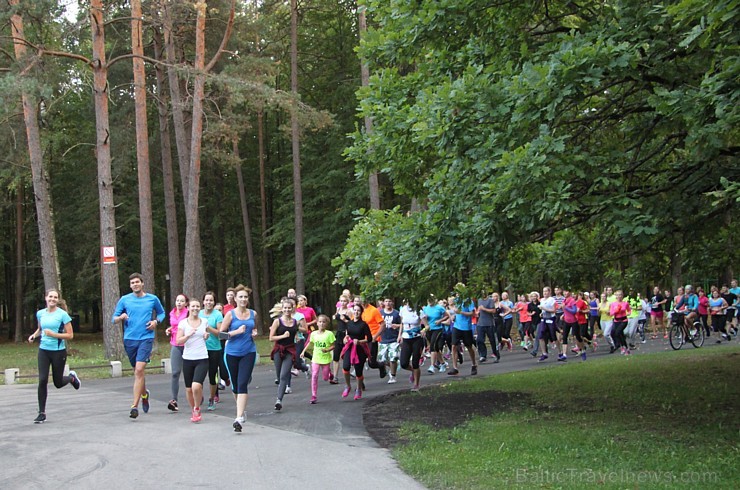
(217, 340)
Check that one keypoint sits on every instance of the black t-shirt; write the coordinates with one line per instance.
(534, 311)
(390, 334)
(730, 298)
(657, 299)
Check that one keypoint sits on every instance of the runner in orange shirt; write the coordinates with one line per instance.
(374, 319)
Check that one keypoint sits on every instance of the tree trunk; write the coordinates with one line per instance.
(266, 283)
(178, 105)
(194, 281)
(295, 137)
(42, 197)
(248, 238)
(365, 80)
(109, 272)
(142, 148)
(19, 263)
(170, 208)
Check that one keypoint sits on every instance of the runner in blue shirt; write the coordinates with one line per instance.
(136, 311)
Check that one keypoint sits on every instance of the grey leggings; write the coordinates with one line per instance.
(282, 371)
(176, 364)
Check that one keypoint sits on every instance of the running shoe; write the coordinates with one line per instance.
(134, 412)
(430, 370)
(221, 385)
(453, 372)
(145, 402)
(172, 405)
(442, 368)
(543, 358)
(40, 418)
(288, 390)
(216, 399)
(345, 393)
(294, 372)
(277, 381)
(575, 350)
(422, 361)
(333, 381)
(583, 355)
(622, 350)
(447, 356)
(497, 359)
(726, 337)
(665, 336)
(612, 349)
(525, 347)
(211, 405)
(278, 404)
(75, 380)
(474, 370)
(237, 425)
(594, 346)
(533, 353)
(562, 358)
(391, 379)
(196, 417)
(358, 394)
(415, 389)
(627, 352)
(313, 400)
(481, 359)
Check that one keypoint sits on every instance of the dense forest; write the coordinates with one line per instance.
(392, 147)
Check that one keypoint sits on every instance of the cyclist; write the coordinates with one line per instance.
(691, 301)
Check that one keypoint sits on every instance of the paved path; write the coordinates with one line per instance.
(90, 442)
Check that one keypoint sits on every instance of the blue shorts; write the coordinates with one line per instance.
(138, 350)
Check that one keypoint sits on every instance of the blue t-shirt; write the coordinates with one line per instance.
(510, 305)
(736, 292)
(243, 344)
(54, 321)
(390, 334)
(212, 342)
(434, 315)
(464, 322)
(139, 310)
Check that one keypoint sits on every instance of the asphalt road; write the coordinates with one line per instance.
(89, 441)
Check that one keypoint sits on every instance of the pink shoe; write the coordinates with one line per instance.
(196, 415)
(345, 393)
(313, 400)
(358, 394)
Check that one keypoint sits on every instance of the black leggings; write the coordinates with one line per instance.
(215, 364)
(592, 322)
(718, 323)
(194, 371)
(584, 331)
(570, 327)
(339, 345)
(411, 351)
(618, 334)
(56, 359)
(347, 362)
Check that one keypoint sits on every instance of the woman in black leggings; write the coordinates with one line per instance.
(356, 351)
(54, 328)
(412, 343)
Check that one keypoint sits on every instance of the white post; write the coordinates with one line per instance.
(116, 369)
(11, 375)
(166, 365)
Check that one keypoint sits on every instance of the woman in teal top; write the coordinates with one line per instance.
(215, 355)
(54, 327)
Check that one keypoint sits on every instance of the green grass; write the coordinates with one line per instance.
(86, 349)
(665, 420)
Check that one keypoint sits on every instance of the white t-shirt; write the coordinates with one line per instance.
(195, 347)
(411, 323)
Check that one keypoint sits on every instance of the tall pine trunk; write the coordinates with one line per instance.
(365, 80)
(194, 281)
(168, 180)
(248, 237)
(19, 263)
(266, 279)
(42, 196)
(300, 282)
(142, 148)
(109, 272)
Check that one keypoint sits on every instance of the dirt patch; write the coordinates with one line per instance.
(435, 407)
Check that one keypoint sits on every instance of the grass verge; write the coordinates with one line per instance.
(666, 420)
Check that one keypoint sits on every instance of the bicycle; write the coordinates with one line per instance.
(679, 334)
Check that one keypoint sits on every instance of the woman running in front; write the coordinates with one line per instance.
(356, 351)
(283, 331)
(192, 334)
(619, 309)
(412, 343)
(216, 363)
(241, 351)
(54, 327)
(178, 314)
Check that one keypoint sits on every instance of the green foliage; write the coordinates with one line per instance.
(534, 118)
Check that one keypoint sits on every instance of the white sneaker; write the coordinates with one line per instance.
(288, 391)
(443, 368)
(430, 370)
(391, 379)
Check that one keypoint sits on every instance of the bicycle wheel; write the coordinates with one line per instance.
(697, 339)
(675, 337)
